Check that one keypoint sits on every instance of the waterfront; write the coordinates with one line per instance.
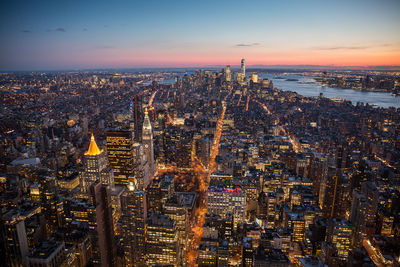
(307, 87)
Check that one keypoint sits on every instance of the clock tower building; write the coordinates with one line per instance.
(147, 140)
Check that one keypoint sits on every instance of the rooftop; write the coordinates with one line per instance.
(93, 148)
(46, 250)
(157, 219)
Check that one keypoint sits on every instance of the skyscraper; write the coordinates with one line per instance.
(101, 228)
(158, 191)
(254, 77)
(120, 152)
(52, 206)
(358, 215)
(228, 73)
(133, 222)
(137, 113)
(96, 166)
(162, 246)
(14, 246)
(339, 234)
(329, 195)
(372, 195)
(147, 139)
(176, 210)
(243, 69)
(142, 169)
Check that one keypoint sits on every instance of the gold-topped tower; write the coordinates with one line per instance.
(93, 148)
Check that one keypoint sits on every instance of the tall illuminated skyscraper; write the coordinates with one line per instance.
(243, 69)
(96, 166)
(254, 77)
(147, 139)
(228, 73)
(120, 152)
(134, 217)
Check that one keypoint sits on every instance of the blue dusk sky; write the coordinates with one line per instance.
(48, 35)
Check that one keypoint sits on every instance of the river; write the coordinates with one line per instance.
(306, 86)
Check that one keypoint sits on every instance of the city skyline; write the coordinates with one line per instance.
(55, 36)
(227, 169)
(200, 133)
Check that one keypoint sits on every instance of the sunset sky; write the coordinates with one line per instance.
(45, 35)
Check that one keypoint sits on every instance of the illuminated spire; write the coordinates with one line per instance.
(146, 121)
(93, 148)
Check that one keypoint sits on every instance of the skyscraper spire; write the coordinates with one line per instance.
(146, 122)
(93, 148)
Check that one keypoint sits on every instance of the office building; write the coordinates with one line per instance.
(142, 169)
(228, 73)
(51, 203)
(134, 216)
(243, 69)
(372, 196)
(339, 235)
(162, 246)
(358, 215)
(295, 221)
(158, 191)
(176, 209)
(385, 223)
(138, 116)
(77, 236)
(14, 245)
(148, 147)
(121, 156)
(254, 78)
(101, 228)
(96, 166)
(207, 255)
(223, 198)
(49, 254)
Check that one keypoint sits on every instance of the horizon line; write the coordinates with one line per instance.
(266, 66)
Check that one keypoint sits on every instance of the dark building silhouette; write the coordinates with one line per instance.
(138, 116)
(52, 206)
(101, 225)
